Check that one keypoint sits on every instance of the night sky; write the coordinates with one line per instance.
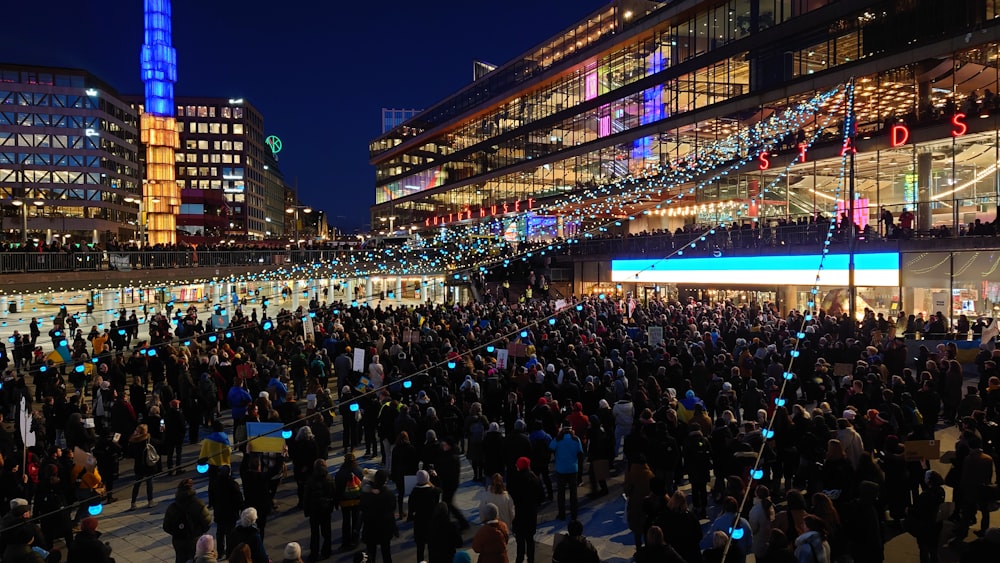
(320, 72)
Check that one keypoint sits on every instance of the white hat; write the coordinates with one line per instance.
(264, 394)
(293, 551)
(849, 414)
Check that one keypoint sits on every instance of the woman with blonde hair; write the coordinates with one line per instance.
(496, 493)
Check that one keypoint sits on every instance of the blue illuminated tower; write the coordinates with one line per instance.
(161, 198)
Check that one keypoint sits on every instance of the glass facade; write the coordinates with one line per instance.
(678, 79)
(68, 156)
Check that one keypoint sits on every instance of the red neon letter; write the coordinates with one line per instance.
(506, 210)
(899, 135)
(802, 152)
(960, 127)
(764, 162)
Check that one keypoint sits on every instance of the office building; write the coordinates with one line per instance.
(642, 89)
(68, 157)
(392, 118)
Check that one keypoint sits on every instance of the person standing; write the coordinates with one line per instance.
(215, 450)
(317, 504)
(379, 523)
(174, 430)
(404, 462)
(147, 463)
(528, 494)
(423, 498)
(637, 487)
(88, 547)
(347, 483)
(922, 519)
(228, 504)
(574, 547)
(445, 536)
(568, 449)
(490, 541)
(186, 519)
(246, 533)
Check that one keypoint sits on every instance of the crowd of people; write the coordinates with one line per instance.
(734, 430)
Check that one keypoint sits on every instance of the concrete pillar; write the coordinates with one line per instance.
(924, 218)
(95, 237)
(368, 288)
(48, 236)
(399, 288)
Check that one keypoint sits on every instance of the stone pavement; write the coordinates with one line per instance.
(137, 536)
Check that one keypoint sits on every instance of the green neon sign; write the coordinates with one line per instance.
(274, 143)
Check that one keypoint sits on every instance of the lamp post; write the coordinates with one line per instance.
(137, 200)
(294, 211)
(24, 215)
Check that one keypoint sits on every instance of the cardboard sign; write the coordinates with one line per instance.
(83, 458)
(840, 370)
(517, 350)
(265, 437)
(409, 481)
(363, 384)
(411, 336)
(914, 450)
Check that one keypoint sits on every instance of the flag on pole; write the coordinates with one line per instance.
(27, 434)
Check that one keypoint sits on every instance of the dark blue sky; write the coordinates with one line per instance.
(320, 72)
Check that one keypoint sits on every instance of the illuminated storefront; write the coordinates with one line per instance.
(639, 84)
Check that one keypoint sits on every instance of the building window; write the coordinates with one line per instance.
(203, 145)
(180, 111)
(203, 128)
(237, 113)
(238, 146)
(225, 128)
(191, 144)
(202, 111)
(211, 111)
(237, 128)
(192, 127)
(227, 145)
(190, 111)
(227, 112)
(215, 128)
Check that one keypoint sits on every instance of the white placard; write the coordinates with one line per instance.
(308, 330)
(501, 358)
(655, 335)
(359, 359)
(409, 481)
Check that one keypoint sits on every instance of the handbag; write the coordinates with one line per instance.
(151, 456)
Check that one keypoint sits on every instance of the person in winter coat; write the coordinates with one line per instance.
(379, 522)
(526, 490)
(186, 519)
(730, 519)
(761, 519)
(88, 547)
(656, 549)
(304, 452)
(445, 536)
(204, 550)
(680, 527)
(812, 547)
(320, 496)
(496, 494)
(600, 453)
(347, 484)
(636, 490)
(574, 547)
(404, 462)
(423, 499)
(490, 541)
(922, 518)
(568, 449)
(246, 533)
(138, 443)
(624, 413)
(228, 504)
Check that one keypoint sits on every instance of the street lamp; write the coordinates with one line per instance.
(24, 215)
(139, 219)
(294, 210)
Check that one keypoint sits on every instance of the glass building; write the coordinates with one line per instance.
(68, 157)
(638, 85)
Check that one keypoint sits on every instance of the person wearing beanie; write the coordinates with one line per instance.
(204, 550)
(246, 533)
(490, 541)
(87, 546)
(185, 520)
(525, 489)
(379, 521)
(293, 553)
(423, 499)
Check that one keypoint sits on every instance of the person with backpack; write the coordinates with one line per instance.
(186, 519)
(146, 463)
(347, 487)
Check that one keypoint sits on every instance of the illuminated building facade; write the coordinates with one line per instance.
(636, 85)
(161, 197)
(222, 150)
(68, 157)
(392, 118)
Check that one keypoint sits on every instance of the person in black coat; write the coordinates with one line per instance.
(449, 467)
(444, 537)
(423, 499)
(516, 445)
(228, 504)
(304, 452)
(404, 462)
(493, 453)
(526, 491)
(318, 507)
(88, 547)
(378, 519)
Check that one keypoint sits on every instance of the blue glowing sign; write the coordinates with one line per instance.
(158, 59)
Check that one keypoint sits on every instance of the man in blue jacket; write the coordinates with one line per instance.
(568, 450)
